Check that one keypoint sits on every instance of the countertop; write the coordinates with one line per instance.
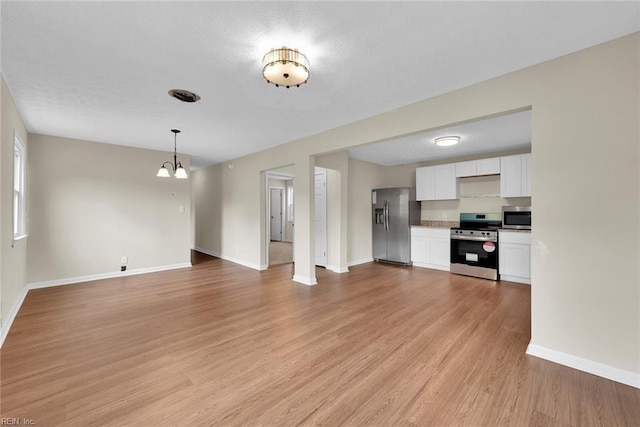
(438, 224)
(452, 224)
(513, 230)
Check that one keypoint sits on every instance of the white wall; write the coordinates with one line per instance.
(13, 258)
(91, 204)
(585, 300)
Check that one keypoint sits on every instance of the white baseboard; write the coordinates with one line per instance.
(92, 277)
(239, 261)
(337, 269)
(516, 279)
(431, 266)
(596, 368)
(359, 261)
(309, 281)
(12, 315)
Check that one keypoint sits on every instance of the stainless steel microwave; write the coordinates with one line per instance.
(516, 217)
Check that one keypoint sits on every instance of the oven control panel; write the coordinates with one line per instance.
(482, 234)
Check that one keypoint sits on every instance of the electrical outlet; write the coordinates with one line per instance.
(124, 260)
(123, 268)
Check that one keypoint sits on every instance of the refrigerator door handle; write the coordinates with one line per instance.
(386, 215)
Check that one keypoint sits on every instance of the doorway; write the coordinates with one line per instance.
(279, 218)
(276, 218)
(321, 216)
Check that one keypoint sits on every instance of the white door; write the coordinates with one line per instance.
(321, 218)
(275, 203)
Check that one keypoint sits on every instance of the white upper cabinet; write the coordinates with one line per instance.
(466, 169)
(515, 176)
(436, 182)
(478, 167)
(488, 166)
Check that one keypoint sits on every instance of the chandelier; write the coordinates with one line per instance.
(176, 166)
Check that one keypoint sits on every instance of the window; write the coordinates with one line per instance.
(19, 165)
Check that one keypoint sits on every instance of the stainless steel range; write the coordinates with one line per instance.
(474, 245)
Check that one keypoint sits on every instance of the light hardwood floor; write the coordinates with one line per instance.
(220, 344)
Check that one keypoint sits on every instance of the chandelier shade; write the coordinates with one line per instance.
(285, 67)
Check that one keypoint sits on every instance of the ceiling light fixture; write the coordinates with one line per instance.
(285, 67)
(176, 166)
(446, 141)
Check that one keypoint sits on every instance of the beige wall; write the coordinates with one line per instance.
(363, 177)
(13, 258)
(207, 192)
(585, 300)
(91, 204)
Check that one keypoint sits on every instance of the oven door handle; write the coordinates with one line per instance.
(475, 239)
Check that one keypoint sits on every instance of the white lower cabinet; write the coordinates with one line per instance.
(514, 252)
(430, 247)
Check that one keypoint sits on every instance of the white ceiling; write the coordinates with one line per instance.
(100, 71)
(512, 131)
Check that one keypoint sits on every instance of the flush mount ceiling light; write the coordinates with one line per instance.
(446, 141)
(285, 67)
(176, 166)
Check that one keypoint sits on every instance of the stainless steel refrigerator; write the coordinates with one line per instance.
(394, 211)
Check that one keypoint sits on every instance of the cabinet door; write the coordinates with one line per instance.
(511, 176)
(446, 182)
(419, 249)
(526, 175)
(515, 260)
(425, 183)
(466, 169)
(488, 166)
(440, 252)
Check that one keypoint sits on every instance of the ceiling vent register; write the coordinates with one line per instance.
(184, 95)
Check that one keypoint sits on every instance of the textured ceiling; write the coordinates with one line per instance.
(485, 136)
(101, 70)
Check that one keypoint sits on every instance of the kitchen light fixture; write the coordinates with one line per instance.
(176, 166)
(446, 141)
(285, 67)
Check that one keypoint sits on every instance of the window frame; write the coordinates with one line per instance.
(19, 199)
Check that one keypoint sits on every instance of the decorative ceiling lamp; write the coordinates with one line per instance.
(176, 166)
(285, 67)
(446, 141)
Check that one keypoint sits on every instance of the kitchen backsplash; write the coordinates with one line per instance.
(477, 194)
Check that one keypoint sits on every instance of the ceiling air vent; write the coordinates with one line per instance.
(184, 95)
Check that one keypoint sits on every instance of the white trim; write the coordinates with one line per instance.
(243, 263)
(515, 279)
(337, 269)
(6, 326)
(309, 281)
(92, 277)
(359, 261)
(596, 368)
(431, 266)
